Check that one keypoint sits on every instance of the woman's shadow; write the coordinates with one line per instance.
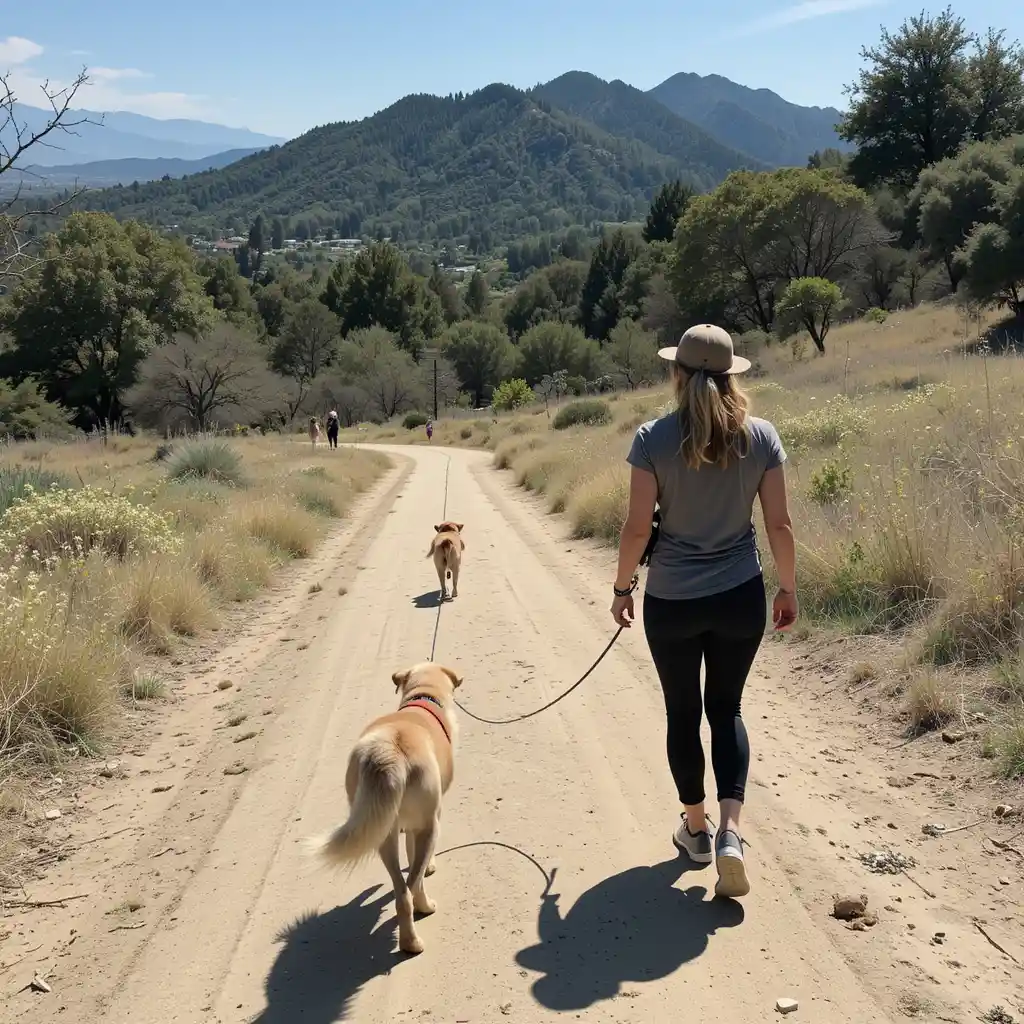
(632, 927)
(326, 960)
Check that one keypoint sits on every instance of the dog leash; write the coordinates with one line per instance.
(444, 513)
(550, 703)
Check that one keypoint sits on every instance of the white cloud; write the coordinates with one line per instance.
(116, 74)
(16, 50)
(808, 10)
(107, 89)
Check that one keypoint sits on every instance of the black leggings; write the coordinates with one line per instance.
(332, 437)
(724, 631)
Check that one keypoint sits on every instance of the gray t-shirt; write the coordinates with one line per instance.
(707, 543)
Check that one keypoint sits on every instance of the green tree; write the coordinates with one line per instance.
(477, 294)
(600, 300)
(373, 360)
(25, 414)
(551, 347)
(277, 233)
(633, 352)
(272, 305)
(881, 276)
(511, 394)
(924, 93)
(992, 260)
(381, 291)
(481, 354)
(810, 304)
(203, 381)
(307, 346)
(738, 247)
(106, 294)
(669, 205)
(228, 290)
(953, 196)
(447, 295)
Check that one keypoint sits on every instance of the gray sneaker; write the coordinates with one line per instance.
(696, 847)
(732, 872)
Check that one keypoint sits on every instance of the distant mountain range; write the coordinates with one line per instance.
(496, 164)
(107, 173)
(119, 135)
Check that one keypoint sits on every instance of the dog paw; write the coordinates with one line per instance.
(413, 945)
(431, 868)
(424, 907)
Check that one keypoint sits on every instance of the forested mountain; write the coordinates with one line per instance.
(497, 164)
(757, 122)
(627, 112)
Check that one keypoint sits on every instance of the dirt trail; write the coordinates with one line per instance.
(237, 925)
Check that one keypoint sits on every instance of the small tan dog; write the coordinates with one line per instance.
(398, 772)
(446, 549)
(314, 430)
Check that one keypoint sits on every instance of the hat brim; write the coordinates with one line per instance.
(739, 364)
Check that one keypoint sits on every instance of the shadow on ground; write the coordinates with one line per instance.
(431, 599)
(632, 927)
(327, 958)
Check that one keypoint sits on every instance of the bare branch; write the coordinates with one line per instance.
(20, 255)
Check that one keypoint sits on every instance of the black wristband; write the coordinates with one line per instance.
(629, 590)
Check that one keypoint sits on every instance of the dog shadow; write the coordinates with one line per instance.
(431, 599)
(327, 958)
(632, 927)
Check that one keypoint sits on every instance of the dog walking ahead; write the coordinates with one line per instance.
(398, 773)
(446, 549)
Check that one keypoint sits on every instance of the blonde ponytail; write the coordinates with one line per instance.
(712, 418)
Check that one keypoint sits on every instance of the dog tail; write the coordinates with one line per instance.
(440, 545)
(382, 771)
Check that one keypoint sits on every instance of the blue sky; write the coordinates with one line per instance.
(283, 68)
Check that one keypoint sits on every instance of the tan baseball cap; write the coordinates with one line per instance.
(706, 347)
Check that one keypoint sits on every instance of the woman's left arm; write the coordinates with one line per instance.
(636, 531)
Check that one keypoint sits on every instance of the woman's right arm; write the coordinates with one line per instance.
(779, 527)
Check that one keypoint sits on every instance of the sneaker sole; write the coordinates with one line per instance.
(700, 858)
(732, 878)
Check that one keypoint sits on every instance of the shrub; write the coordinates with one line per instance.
(206, 459)
(931, 701)
(876, 315)
(25, 413)
(59, 523)
(412, 420)
(830, 424)
(164, 600)
(287, 530)
(19, 481)
(590, 412)
(317, 499)
(231, 564)
(599, 505)
(830, 484)
(60, 672)
(466, 433)
(511, 394)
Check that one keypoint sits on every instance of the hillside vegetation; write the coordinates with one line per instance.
(496, 163)
(113, 555)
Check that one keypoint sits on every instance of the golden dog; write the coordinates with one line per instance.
(398, 773)
(446, 549)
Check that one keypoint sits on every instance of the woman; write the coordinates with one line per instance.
(704, 464)
(333, 425)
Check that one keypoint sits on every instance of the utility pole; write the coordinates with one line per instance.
(435, 389)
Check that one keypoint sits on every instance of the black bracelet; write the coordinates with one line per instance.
(629, 590)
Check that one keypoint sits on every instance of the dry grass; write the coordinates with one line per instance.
(906, 473)
(81, 603)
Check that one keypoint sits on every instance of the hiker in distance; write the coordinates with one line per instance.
(332, 428)
(703, 464)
